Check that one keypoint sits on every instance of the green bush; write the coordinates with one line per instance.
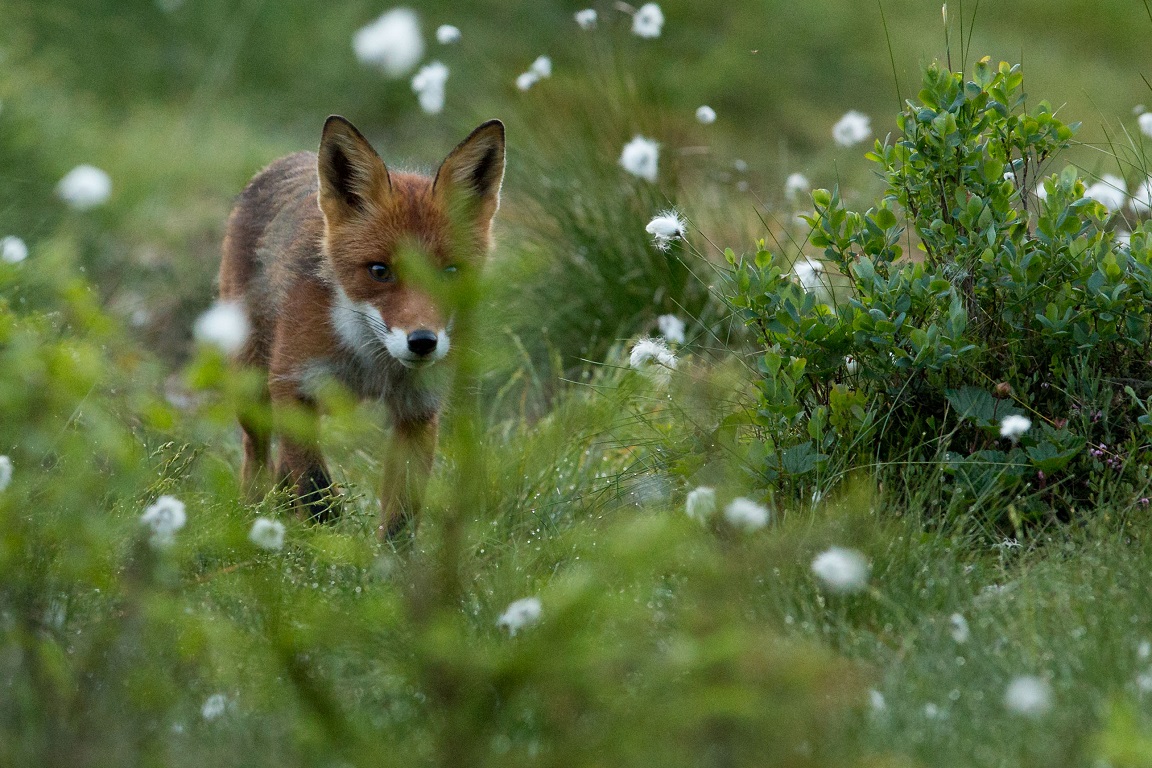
(1019, 302)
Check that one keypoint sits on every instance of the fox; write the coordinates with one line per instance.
(314, 254)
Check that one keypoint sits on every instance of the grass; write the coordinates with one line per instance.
(661, 641)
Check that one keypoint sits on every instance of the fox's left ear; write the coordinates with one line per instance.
(472, 173)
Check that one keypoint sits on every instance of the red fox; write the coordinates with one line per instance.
(313, 253)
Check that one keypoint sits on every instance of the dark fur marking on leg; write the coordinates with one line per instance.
(317, 497)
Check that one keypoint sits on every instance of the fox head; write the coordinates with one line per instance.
(387, 236)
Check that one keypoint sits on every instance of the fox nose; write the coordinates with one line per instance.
(421, 342)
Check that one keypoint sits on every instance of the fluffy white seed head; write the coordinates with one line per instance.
(841, 570)
(1110, 191)
(1014, 425)
(267, 533)
(705, 115)
(959, 628)
(84, 187)
(520, 614)
(224, 326)
(671, 328)
(851, 129)
(5, 473)
(651, 352)
(701, 503)
(541, 67)
(526, 80)
(428, 85)
(746, 514)
(446, 34)
(641, 158)
(795, 185)
(586, 18)
(393, 43)
(13, 250)
(653, 358)
(214, 706)
(808, 271)
(1145, 123)
(1029, 696)
(648, 21)
(165, 516)
(876, 701)
(666, 227)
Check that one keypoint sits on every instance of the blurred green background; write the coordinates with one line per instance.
(181, 101)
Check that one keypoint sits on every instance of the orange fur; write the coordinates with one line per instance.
(313, 253)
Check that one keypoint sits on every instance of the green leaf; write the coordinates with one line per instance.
(801, 458)
(979, 405)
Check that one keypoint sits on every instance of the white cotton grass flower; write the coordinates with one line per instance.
(1110, 191)
(876, 701)
(653, 358)
(1141, 200)
(13, 250)
(1145, 123)
(393, 43)
(705, 115)
(808, 272)
(666, 227)
(85, 187)
(267, 533)
(537, 71)
(701, 503)
(841, 570)
(795, 185)
(541, 67)
(959, 628)
(671, 328)
(428, 85)
(214, 707)
(520, 614)
(5, 473)
(1014, 425)
(641, 157)
(746, 514)
(648, 21)
(165, 516)
(446, 34)
(851, 129)
(1143, 650)
(224, 326)
(587, 18)
(1029, 696)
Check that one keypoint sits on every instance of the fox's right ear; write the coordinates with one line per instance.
(352, 176)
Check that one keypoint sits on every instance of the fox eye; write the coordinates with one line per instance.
(381, 273)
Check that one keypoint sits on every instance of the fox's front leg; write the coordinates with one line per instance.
(301, 466)
(406, 470)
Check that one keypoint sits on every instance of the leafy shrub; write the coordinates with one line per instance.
(1019, 302)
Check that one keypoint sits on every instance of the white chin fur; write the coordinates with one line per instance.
(362, 329)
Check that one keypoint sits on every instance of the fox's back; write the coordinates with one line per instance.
(272, 241)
